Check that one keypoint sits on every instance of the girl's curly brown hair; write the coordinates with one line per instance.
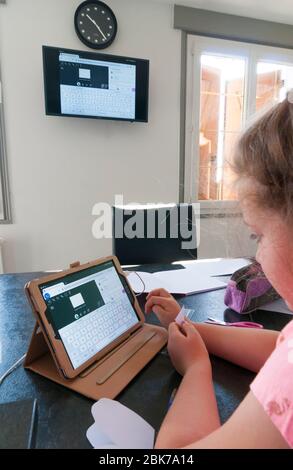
(264, 156)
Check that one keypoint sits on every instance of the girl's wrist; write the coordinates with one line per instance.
(201, 366)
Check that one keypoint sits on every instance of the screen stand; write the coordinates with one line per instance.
(111, 374)
(109, 364)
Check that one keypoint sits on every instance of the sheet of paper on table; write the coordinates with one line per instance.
(179, 281)
(118, 427)
(215, 266)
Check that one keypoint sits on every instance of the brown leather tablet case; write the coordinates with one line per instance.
(109, 375)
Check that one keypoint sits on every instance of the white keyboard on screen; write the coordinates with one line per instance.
(86, 336)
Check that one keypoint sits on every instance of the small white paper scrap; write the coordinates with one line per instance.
(184, 312)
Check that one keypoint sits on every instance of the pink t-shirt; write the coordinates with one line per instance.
(273, 386)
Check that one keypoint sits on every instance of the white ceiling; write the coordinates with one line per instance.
(278, 11)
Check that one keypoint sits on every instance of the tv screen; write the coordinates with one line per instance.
(95, 85)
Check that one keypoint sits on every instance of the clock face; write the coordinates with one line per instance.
(95, 24)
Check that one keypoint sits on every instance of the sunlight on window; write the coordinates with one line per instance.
(1, 190)
(273, 81)
(221, 115)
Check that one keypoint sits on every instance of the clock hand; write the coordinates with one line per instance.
(100, 31)
(97, 26)
(90, 19)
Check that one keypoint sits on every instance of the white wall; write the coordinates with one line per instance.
(225, 237)
(280, 11)
(60, 167)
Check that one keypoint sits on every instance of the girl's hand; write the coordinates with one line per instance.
(163, 304)
(186, 348)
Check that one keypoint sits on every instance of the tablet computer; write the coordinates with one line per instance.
(84, 313)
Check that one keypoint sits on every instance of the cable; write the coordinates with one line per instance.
(142, 281)
(12, 368)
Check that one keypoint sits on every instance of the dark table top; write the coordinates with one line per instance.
(63, 415)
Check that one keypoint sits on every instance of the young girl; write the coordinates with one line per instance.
(263, 164)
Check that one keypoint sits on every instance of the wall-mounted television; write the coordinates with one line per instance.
(95, 85)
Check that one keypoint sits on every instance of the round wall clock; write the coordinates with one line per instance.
(95, 24)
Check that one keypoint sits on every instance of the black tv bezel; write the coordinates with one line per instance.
(52, 83)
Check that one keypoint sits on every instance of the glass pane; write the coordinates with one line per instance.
(1, 189)
(273, 81)
(1, 204)
(221, 113)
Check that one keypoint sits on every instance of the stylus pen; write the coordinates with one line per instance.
(12, 368)
(32, 431)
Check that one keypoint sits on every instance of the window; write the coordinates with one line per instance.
(227, 82)
(5, 213)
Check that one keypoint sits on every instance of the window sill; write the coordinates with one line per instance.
(221, 214)
(219, 209)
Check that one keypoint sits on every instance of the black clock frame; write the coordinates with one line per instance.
(80, 35)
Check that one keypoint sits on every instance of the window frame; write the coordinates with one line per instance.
(252, 54)
(7, 219)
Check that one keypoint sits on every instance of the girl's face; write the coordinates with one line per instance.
(275, 248)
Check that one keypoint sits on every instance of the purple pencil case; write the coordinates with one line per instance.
(249, 289)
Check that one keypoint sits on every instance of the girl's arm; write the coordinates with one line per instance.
(193, 420)
(248, 428)
(246, 347)
(194, 413)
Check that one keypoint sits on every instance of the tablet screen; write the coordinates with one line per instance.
(88, 310)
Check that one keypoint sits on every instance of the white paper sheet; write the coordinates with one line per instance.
(98, 439)
(216, 266)
(183, 281)
(149, 280)
(116, 426)
(179, 281)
